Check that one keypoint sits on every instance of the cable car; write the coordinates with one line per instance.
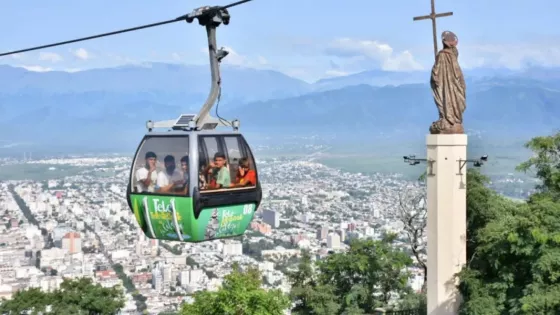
(193, 183)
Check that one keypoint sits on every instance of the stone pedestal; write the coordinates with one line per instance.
(447, 207)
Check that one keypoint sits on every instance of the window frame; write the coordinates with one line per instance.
(243, 148)
(240, 147)
(133, 169)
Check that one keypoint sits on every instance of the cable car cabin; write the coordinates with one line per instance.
(193, 186)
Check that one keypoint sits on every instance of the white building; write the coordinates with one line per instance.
(233, 249)
(333, 241)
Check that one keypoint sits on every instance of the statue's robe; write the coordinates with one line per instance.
(449, 90)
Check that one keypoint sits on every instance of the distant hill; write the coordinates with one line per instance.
(108, 107)
(173, 83)
(382, 78)
(512, 107)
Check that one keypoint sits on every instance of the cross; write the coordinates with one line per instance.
(433, 16)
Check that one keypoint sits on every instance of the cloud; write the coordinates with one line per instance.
(262, 60)
(372, 51)
(236, 59)
(72, 70)
(18, 56)
(176, 56)
(510, 55)
(233, 58)
(121, 59)
(335, 73)
(81, 53)
(49, 56)
(36, 68)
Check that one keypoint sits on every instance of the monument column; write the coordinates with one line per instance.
(447, 225)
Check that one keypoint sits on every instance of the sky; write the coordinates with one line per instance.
(307, 39)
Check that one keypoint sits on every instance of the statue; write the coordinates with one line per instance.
(448, 88)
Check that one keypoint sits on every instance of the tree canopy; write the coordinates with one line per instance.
(514, 247)
(240, 294)
(80, 296)
(354, 282)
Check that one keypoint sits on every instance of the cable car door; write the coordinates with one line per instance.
(223, 208)
(162, 205)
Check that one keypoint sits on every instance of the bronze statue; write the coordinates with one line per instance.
(448, 88)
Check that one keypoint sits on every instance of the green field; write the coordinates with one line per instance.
(371, 163)
(38, 172)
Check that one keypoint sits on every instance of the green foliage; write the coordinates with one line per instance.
(516, 269)
(354, 282)
(309, 295)
(79, 296)
(414, 301)
(240, 294)
(514, 248)
(175, 250)
(130, 287)
(191, 262)
(479, 209)
(254, 249)
(545, 162)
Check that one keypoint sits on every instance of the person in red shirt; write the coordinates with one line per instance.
(245, 175)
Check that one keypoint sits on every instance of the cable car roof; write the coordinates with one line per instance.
(175, 133)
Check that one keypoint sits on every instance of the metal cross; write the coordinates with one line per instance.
(433, 16)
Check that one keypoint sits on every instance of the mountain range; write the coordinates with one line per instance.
(110, 106)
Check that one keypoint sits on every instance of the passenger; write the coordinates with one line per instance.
(169, 180)
(219, 173)
(185, 170)
(202, 174)
(245, 175)
(146, 177)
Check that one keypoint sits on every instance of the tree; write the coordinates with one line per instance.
(516, 266)
(545, 162)
(310, 296)
(240, 294)
(366, 275)
(79, 296)
(514, 248)
(32, 300)
(413, 214)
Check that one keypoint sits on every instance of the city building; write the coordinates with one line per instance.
(271, 217)
(72, 243)
(333, 241)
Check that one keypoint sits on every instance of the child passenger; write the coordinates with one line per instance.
(219, 173)
(245, 175)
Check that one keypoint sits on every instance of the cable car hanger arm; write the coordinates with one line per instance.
(211, 18)
(203, 114)
(188, 17)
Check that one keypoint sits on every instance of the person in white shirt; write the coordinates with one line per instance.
(169, 180)
(146, 176)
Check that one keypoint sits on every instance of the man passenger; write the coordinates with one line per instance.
(219, 172)
(202, 173)
(185, 170)
(245, 175)
(146, 177)
(170, 178)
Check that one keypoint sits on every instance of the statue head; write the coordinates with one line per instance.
(449, 39)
